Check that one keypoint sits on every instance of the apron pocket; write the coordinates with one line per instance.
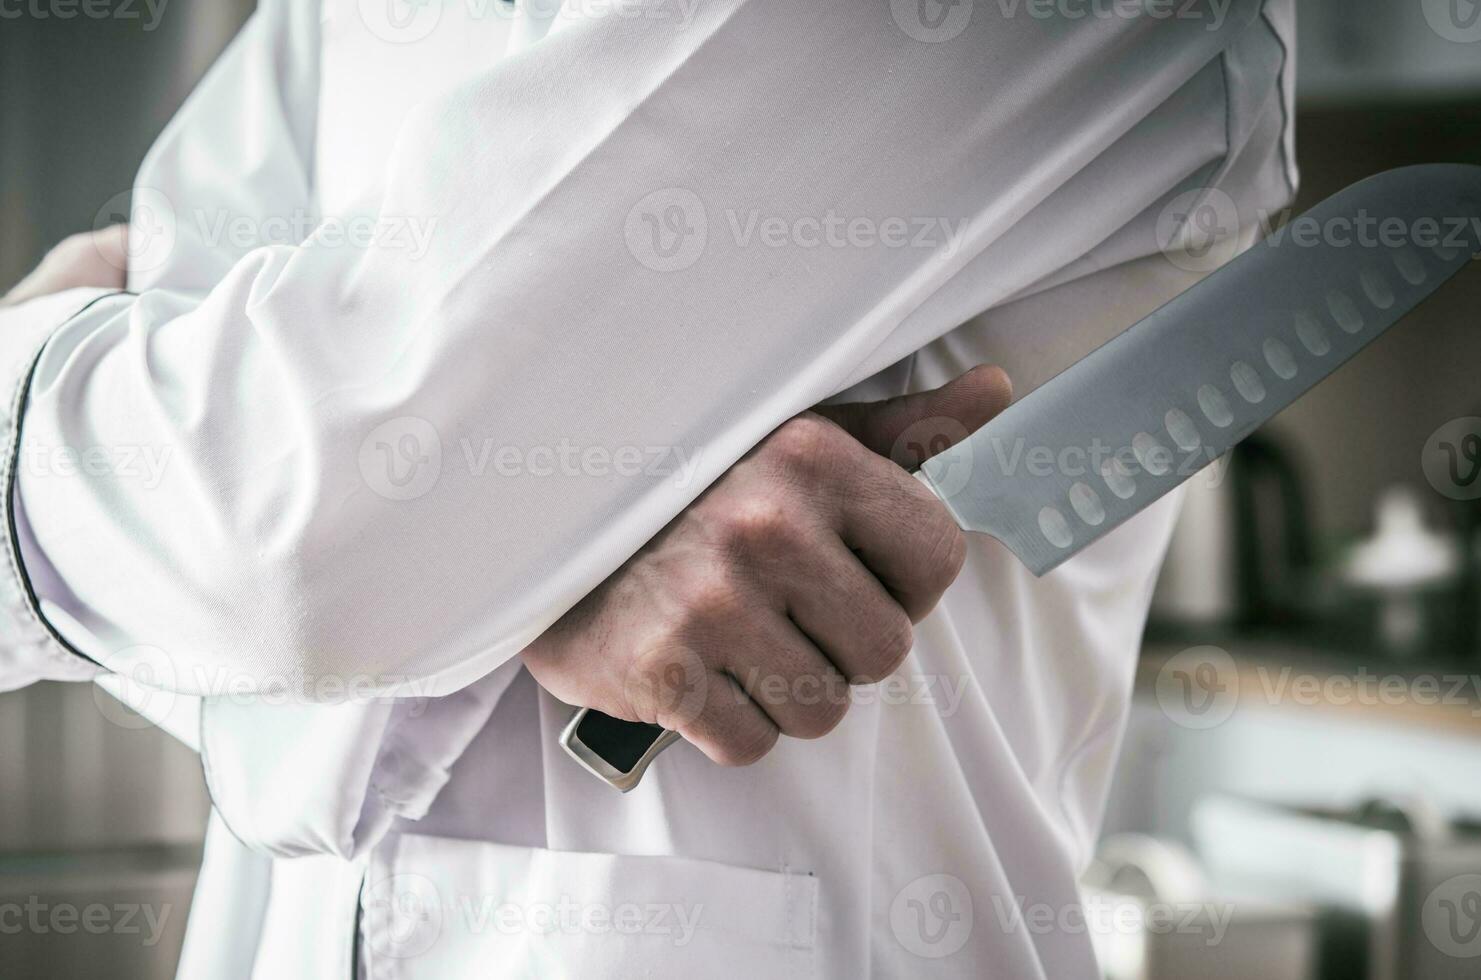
(436, 907)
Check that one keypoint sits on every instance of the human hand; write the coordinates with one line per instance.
(94, 258)
(799, 572)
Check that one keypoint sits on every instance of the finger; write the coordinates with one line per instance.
(910, 429)
(903, 534)
(900, 530)
(93, 259)
(845, 610)
(112, 246)
(732, 729)
(789, 678)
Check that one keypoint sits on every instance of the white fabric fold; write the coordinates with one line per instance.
(295, 779)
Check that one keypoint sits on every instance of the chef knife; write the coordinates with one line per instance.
(1138, 416)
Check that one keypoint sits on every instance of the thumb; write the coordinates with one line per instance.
(910, 429)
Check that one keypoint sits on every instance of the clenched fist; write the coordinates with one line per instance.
(799, 572)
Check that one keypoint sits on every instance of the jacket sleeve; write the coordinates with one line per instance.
(387, 468)
(29, 650)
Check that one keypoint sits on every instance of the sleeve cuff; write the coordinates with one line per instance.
(30, 650)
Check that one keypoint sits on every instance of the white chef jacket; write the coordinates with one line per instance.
(438, 311)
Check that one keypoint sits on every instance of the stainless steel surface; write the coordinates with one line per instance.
(1290, 311)
(1156, 918)
(1412, 878)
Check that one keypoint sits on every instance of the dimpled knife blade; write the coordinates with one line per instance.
(1142, 413)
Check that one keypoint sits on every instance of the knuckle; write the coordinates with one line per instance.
(891, 645)
(802, 441)
(745, 748)
(662, 681)
(940, 548)
(78, 247)
(73, 243)
(759, 521)
(706, 600)
(819, 719)
(946, 554)
(62, 254)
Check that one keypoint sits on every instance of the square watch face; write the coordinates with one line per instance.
(621, 744)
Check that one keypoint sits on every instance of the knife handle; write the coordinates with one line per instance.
(615, 751)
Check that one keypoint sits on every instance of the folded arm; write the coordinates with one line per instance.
(557, 300)
(398, 465)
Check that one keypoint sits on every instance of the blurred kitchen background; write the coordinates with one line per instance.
(1304, 762)
(97, 808)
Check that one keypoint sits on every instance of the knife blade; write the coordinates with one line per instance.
(1144, 412)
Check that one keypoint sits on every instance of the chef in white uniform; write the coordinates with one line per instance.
(409, 282)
